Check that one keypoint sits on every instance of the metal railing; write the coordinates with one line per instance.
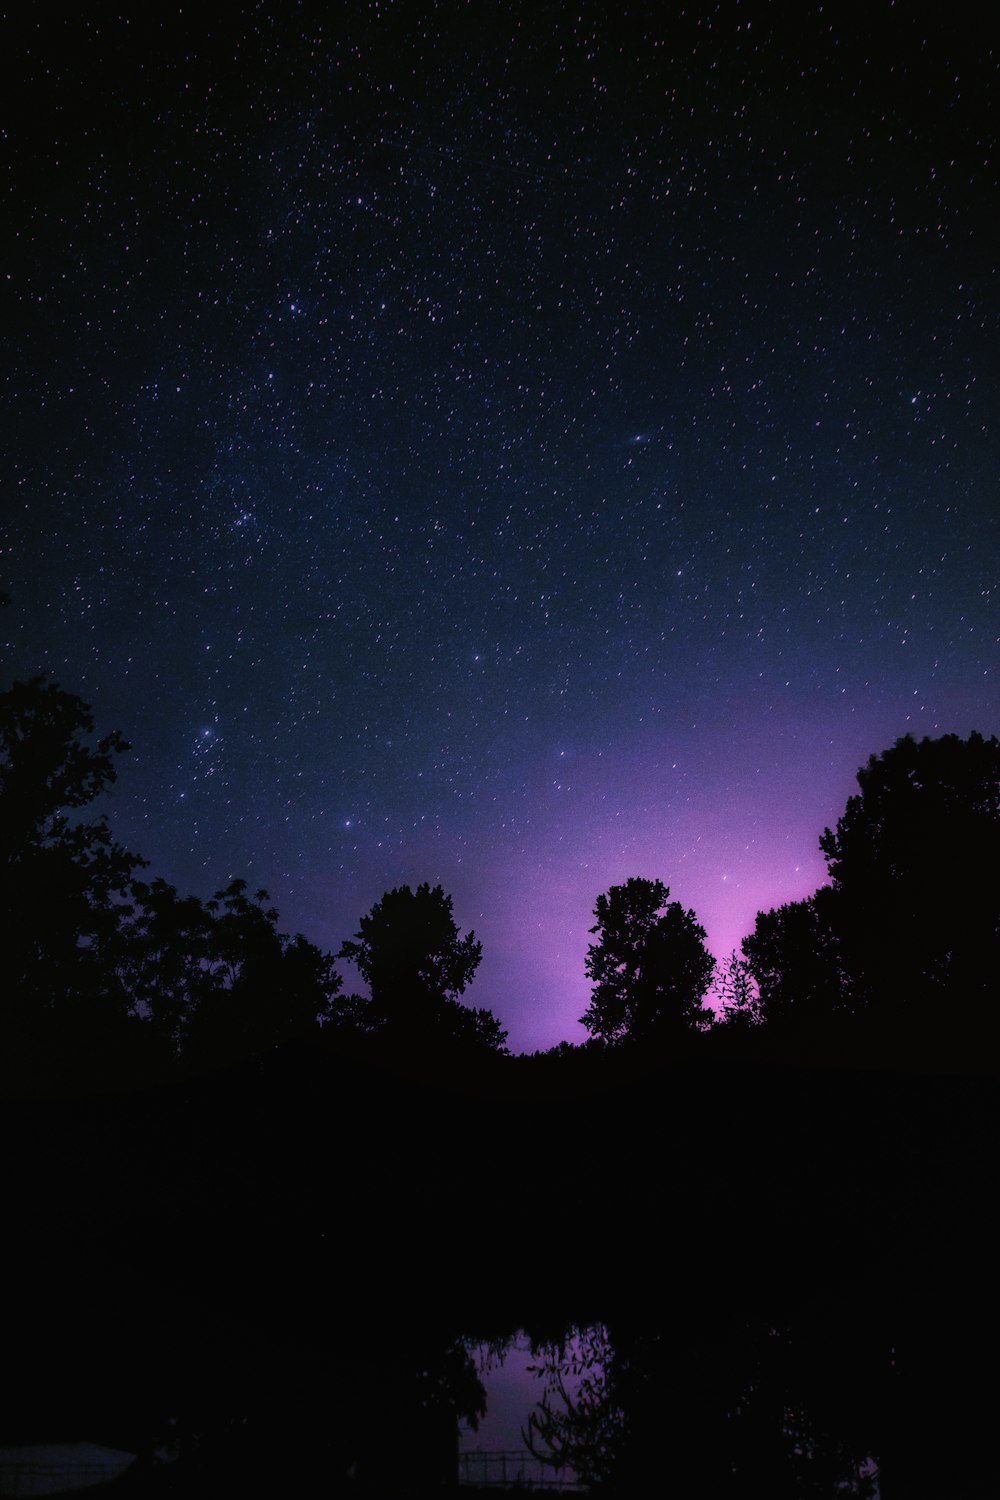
(506, 1468)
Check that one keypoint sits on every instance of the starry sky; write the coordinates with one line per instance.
(515, 446)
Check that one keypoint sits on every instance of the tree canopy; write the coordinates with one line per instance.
(217, 978)
(650, 966)
(910, 863)
(908, 914)
(416, 964)
(104, 970)
(794, 955)
(62, 876)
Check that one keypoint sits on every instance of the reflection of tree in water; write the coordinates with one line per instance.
(735, 1416)
(577, 1424)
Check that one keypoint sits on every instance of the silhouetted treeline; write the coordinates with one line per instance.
(254, 1214)
(111, 978)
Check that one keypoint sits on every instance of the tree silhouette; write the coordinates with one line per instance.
(62, 878)
(470, 1027)
(737, 992)
(741, 1410)
(409, 952)
(162, 955)
(915, 911)
(580, 1421)
(255, 987)
(106, 975)
(795, 957)
(650, 966)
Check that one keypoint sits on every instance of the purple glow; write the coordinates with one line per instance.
(738, 837)
(521, 456)
(515, 1380)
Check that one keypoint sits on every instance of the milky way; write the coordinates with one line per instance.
(515, 447)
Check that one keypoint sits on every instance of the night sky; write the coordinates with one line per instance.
(512, 446)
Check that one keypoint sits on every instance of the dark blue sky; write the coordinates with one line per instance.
(519, 447)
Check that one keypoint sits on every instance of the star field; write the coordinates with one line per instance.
(516, 447)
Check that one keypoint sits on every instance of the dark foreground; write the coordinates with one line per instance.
(272, 1272)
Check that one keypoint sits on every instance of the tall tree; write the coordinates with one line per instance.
(416, 964)
(162, 952)
(215, 979)
(795, 957)
(650, 966)
(911, 861)
(106, 976)
(63, 877)
(262, 987)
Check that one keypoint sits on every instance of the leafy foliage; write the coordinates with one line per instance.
(408, 945)
(650, 966)
(737, 993)
(106, 971)
(794, 956)
(409, 951)
(907, 861)
(100, 963)
(578, 1423)
(162, 955)
(62, 877)
(259, 987)
(907, 915)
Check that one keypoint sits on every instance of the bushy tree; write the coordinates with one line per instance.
(261, 987)
(471, 1027)
(650, 966)
(795, 957)
(162, 953)
(908, 914)
(408, 946)
(106, 975)
(911, 862)
(63, 876)
(409, 952)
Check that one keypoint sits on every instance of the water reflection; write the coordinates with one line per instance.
(578, 1423)
(528, 1381)
(617, 1407)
